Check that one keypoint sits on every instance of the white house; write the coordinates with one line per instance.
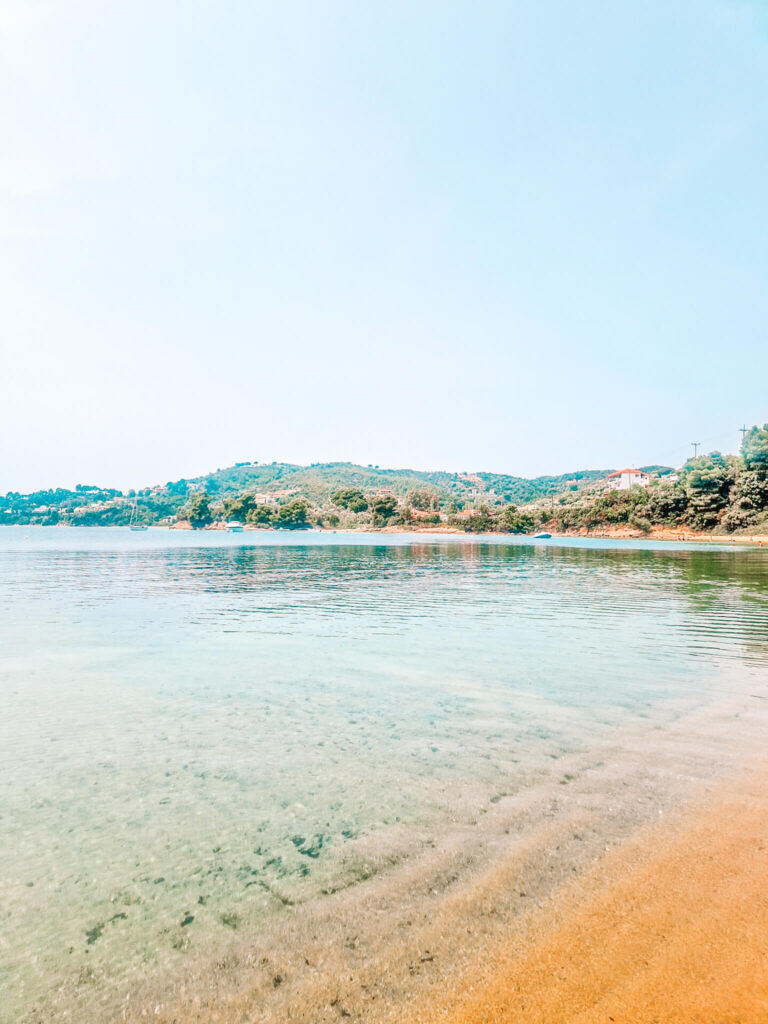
(624, 479)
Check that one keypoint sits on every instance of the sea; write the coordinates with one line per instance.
(200, 730)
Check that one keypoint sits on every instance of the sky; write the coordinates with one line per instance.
(509, 236)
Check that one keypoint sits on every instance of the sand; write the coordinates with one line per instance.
(672, 928)
(629, 885)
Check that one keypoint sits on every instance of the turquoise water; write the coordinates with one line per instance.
(199, 729)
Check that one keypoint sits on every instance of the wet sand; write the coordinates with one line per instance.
(672, 928)
(627, 886)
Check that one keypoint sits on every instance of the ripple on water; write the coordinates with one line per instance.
(193, 737)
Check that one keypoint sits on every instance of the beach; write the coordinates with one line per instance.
(259, 778)
(629, 887)
(671, 927)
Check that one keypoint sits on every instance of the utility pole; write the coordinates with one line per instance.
(696, 445)
(743, 433)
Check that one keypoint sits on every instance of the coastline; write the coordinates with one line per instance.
(446, 930)
(657, 533)
(670, 927)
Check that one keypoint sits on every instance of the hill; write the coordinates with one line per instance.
(278, 483)
(710, 493)
(317, 483)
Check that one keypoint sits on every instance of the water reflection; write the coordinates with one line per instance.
(677, 595)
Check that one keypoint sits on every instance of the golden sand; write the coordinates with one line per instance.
(626, 886)
(673, 928)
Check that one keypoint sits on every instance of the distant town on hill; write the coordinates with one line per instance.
(711, 493)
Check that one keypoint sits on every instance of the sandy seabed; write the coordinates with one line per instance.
(629, 886)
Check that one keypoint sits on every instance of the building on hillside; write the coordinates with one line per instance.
(625, 479)
(425, 513)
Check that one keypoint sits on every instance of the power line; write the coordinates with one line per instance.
(722, 439)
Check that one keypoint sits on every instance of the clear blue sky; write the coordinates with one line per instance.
(514, 236)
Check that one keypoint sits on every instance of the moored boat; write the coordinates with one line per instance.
(133, 524)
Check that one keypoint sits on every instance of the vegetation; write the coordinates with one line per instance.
(322, 483)
(352, 499)
(423, 500)
(754, 450)
(715, 493)
(292, 516)
(260, 515)
(383, 510)
(199, 511)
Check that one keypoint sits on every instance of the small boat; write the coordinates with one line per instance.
(235, 527)
(133, 525)
(542, 536)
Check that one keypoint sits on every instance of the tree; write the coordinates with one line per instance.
(707, 481)
(738, 517)
(384, 509)
(754, 449)
(617, 507)
(752, 491)
(260, 515)
(483, 522)
(352, 499)
(512, 520)
(239, 507)
(750, 498)
(199, 510)
(292, 516)
(666, 505)
(404, 517)
(424, 501)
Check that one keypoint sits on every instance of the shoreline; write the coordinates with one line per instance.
(670, 927)
(448, 918)
(657, 534)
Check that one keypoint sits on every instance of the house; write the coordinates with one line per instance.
(624, 479)
(425, 513)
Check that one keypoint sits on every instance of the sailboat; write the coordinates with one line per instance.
(133, 525)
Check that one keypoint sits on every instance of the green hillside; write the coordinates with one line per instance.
(279, 484)
(317, 483)
(711, 493)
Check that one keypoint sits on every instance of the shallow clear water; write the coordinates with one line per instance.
(196, 729)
